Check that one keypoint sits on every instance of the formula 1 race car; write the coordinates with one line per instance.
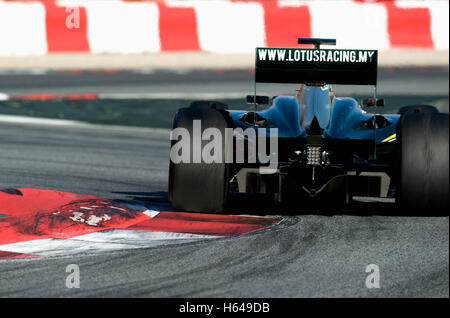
(320, 147)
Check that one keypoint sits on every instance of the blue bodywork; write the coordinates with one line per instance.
(339, 118)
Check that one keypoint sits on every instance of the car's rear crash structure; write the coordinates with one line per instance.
(328, 147)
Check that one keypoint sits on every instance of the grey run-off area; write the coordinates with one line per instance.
(205, 84)
(150, 98)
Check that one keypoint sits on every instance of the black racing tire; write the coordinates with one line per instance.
(412, 109)
(424, 167)
(208, 105)
(199, 187)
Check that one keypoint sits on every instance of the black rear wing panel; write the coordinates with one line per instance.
(331, 66)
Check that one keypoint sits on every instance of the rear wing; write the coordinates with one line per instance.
(330, 66)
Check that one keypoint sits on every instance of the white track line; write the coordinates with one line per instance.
(173, 95)
(36, 120)
(72, 123)
(100, 242)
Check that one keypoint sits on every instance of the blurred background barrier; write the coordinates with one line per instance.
(214, 31)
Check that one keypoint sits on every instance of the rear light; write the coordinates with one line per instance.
(313, 155)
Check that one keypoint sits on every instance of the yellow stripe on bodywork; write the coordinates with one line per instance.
(389, 138)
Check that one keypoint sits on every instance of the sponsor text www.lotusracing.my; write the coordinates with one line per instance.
(299, 55)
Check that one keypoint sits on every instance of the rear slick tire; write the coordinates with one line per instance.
(423, 156)
(199, 187)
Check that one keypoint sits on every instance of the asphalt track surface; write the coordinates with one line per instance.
(310, 254)
(202, 83)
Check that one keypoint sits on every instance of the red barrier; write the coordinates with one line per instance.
(408, 27)
(44, 96)
(285, 24)
(177, 27)
(66, 29)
